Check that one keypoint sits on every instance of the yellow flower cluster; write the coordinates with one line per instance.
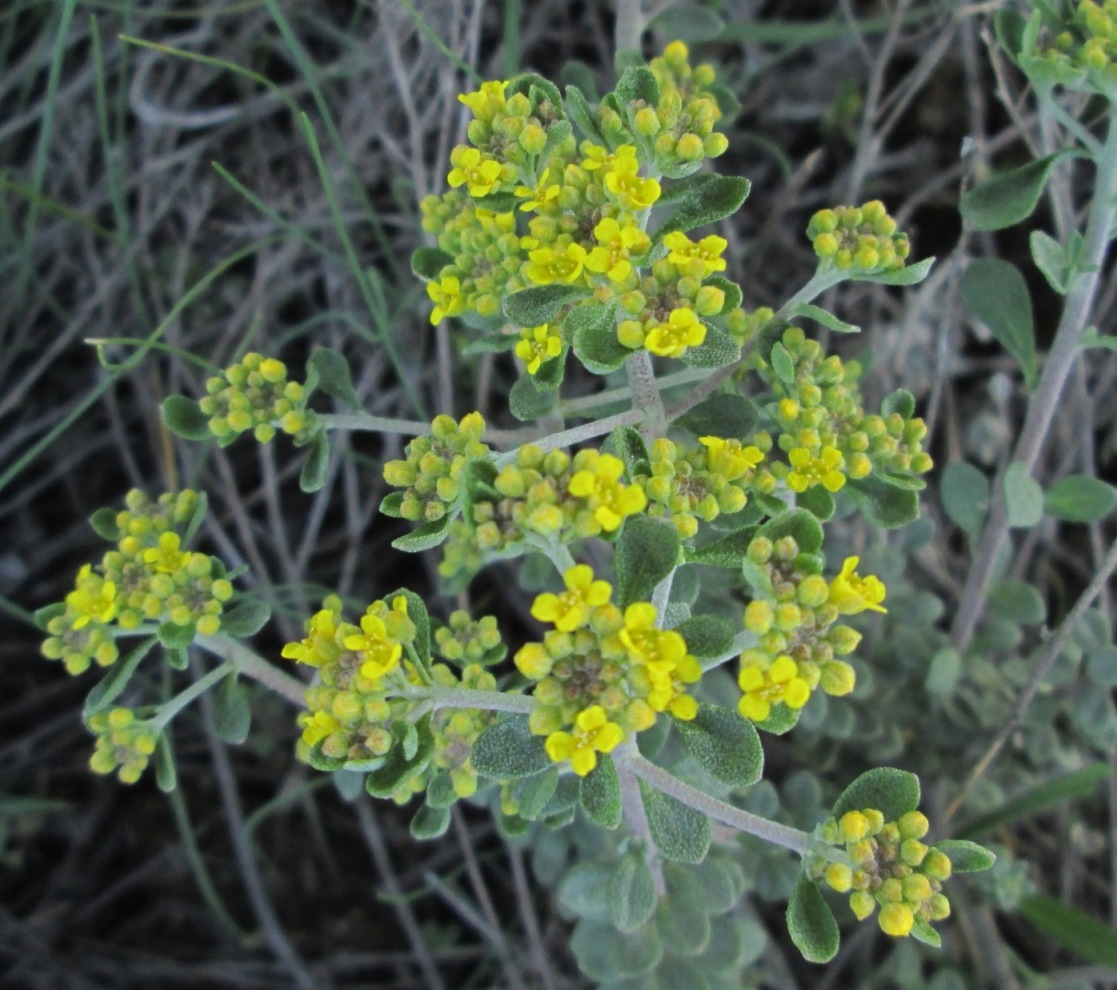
(123, 742)
(601, 674)
(798, 642)
(858, 238)
(254, 394)
(888, 867)
(147, 578)
(1083, 55)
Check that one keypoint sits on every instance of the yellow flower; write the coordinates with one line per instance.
(446, 294)
(599, 157)
(379, 655)
(487, 101)
(683, 329)
(481, 176)
(94, 598)
(645, 643)
(683, 251)
(320, 646)
(547, 265)
(542, 194)
(317, 726)
(167, 558)
(763, 689)
(728, 458)
(609, 500)
(808, 471)
(615, 246)
(630, 190)
(850, 593)
(536, 345)
(572, 608)
(593, 734)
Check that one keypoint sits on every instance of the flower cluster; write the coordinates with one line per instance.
(601, 674)
(431, 472)
(547, 493)
(530, 206)
(687, 485)
(888, 867)
(464, 641)
(798, 640)
(123, 742)
(254, 394)
(149, 577)
(823, 427)
(858, 238)
(1082, 52)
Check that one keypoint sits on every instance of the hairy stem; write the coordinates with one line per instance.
(196, 690)
(1045, 401)
(645, 395)
(493, 701)
(632, 805)
(255, 666)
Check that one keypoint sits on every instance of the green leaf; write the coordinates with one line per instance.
(1052, 260)
(822, 316)
(910, 275)
(884, 505)
(1052, 794)
(944, 672)
(319, 761)
(965, 496)
(811, 924)
(532, 794)
(646, 553)
(176, 658)
(733, 294)
(600, 794)
(103, 523)
(783, 364)
(430, 823)
(799, 524)
(1075, 930)
(493, 343)
(426, 536)
(726, 415)
(184, 418)
(42, 616)
(508, 751)
(996, 293)
(417, 613)
(716, 351)
(683, 923)
(729, 551)
(1023, 497)
(629, 446)
(176, 637)
(637, 84)
(1017, 602)
(581, 891)
(680, 833)
(313, 475)
(527, 401)
(166, 778)
(400, 767)
(922, 931)
(817, 501)
(232, 715)
(1101, 667)
(605, 954)
(966, 856)
(1009, 197)
(707, 636)
(334, 377)
(725, 745)
(428, 262)
(892, 792)
(390, 505)
(1079, 498)
(544, 89)
(1008, 26)
(577, 106)
(901, 401)
(631, 892)
(712, 200)
(108, 689)
(540, 304)
(688, 22)
(593, 329)
(245, 619)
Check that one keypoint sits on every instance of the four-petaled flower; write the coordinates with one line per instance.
(547, 265)
(728, 458)
(808, 471)
(683, 252)
(481, 176)
(683, 329)
(94, 598)
(850, 593)
(538, 344)
(167, 557)
(593, 734)
(539, 196)
(379, 654)
(631, 191)
(609, 500)
(615, 246)
(762, 689)
(446, 294)
(487, 101)
(572, 608)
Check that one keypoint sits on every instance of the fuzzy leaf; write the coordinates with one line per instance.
(1017, 602)
(313, 475)
(965, 496)
(712, 200)
(232, 714)
(1053, 261)
(901, 401)
(540, 304)
(430, 823)
(996, 293)
(245, 619)
(176, 637)
(725, 745)
(818, 502)
(1023, 497)
(729, 551)
(884, 505)
(687, 22)
(680, 833)
(1079, 498)
(810, 922)
(605, 954)
(428, 262)
(966, 856)
(593, 329)
(631, 892)
(582, 890)
(781, 720)
(716, 351)
(1009, 197)
(707, 636)
(909, 275)
(782, 363)
(400, 767)
(528, 401)
(184, 418)
(108, 689)
(508, 751)
(103, 523)
(823, 317)
(426, 536)
(646, 553)
(577, 106)
(726, 415)
(390, 505)
(733, 293)
(798, 523)
(922, 931)
(334, 377)
(600, 794)
(637, 84)
(892, 792)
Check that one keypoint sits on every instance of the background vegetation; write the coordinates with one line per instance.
(182, 182)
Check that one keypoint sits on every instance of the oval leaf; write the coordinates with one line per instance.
(313, 475)
(710, 201)
(600, 794)
(680, 833)
(811, 924)
(1023, 497)
(631, 892)
(884, 504)
(647, 552)
(540, 304)
(245, 619)
(426, 536)
(965, 496)
(966, 856)
(508, 751)
(996, 293)
(428, 262)
(726, 415)
(1079, 498)
(184, 418)
(892, 792)
(232, 714)
(1007, 197)
(334, 377)
(430, 823)
(725, 745)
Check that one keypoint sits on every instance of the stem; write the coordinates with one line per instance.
(363, 422)
(632, 805)
(781, 835)
(493, 701)
(645, 395)
(573, 407)
(629, 25)
(576, 434)
(253, 665)
(557, 553)
(661, 595)
(819, 283)
(1045, 401)
(196, 690)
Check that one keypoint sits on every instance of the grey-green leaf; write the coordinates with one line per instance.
(996, 293)
(966, 856)
(725, 745)
(631, 892)
(646, 553)
(428, 262)
(965, 496)
(892, 792)
(592, 328)
(1079, 498)
(811, 924)
(1009, 197)
(334, 377)
(600, 794)
(245, 619)
(540, 304)
(884, 504)
(184, 418)
(508, 751)
(680, 833)
(1023, 496)
(313, 475)
(726, 415)
(426, 536)
(232, 715)
(713, 200)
